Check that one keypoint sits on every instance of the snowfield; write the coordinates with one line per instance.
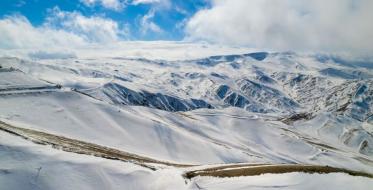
(202, 108)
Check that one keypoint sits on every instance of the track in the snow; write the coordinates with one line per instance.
(81, 147)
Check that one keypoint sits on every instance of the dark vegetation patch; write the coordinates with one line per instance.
(251, 170)
(296, 117)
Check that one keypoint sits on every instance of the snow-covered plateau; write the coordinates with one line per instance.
(143, 119)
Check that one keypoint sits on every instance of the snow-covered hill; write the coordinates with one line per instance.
(241, 108)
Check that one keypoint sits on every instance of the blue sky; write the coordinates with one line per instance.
(169, 16)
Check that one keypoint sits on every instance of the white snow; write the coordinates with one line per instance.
(158, 108)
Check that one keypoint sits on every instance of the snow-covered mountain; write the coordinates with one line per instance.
(272, 108)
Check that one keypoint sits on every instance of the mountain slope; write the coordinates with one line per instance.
(250, 108)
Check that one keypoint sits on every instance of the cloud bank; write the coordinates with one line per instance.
(300, 25)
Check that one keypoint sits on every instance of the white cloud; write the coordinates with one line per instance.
(17, 32)
(147, 24)
(109, 4)
(137, 2)
(92, 29)
(61, 29)
(318, 25)
(156, 5)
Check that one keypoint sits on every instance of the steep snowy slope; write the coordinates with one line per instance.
(204, 136)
